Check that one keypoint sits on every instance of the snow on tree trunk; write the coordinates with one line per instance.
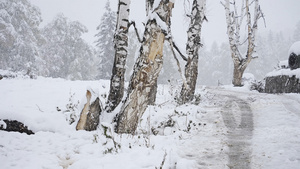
(234, 21)
(193, 44)
(89, 116)
(121, 44)
(146, 69)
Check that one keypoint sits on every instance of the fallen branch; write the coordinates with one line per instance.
(39, 108)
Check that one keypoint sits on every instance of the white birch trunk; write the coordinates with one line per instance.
(192, 47)
(121, 44)
(234, 21)
(146, 69)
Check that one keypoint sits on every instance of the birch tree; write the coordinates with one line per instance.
(147, 67)
(193, 44)
(121, 44)
(234, 22)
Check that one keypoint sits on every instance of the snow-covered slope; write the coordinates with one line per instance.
(226, 123)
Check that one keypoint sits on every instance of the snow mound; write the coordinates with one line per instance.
(284, 64)
(283, 72)
(295, 48)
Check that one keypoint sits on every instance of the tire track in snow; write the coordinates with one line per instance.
(240, 131)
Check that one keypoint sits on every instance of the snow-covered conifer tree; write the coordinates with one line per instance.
(105, 44)
(19, 35)
(66, 54)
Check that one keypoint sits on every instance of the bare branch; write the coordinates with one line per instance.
(177, 61)
(136, 31)
(177, 49)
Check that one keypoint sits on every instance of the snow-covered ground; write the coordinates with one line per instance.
(228, 128)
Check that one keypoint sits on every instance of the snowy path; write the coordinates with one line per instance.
(263, 129)
(228, 145)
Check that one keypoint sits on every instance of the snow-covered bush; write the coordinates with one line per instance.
(251, 83)
(7, 74)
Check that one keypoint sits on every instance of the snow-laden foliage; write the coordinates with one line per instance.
(57, 50)
(65, 53)
(296, 36)
(105, 44)
(19, 35)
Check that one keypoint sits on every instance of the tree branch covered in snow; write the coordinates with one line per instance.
(136, 31)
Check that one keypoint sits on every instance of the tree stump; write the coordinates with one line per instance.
(89, 116)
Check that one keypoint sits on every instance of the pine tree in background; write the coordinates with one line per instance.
(296, 36)
(65, 53)
(19, 35)
(105, 44)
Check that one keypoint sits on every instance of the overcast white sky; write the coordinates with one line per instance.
(280, 15)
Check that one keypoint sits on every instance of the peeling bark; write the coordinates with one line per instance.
(193, 44)
(121, 44)
(146, 70)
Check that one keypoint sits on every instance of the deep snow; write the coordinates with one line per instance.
(189, 136)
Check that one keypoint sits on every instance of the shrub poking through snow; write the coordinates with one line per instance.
(71, 109)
